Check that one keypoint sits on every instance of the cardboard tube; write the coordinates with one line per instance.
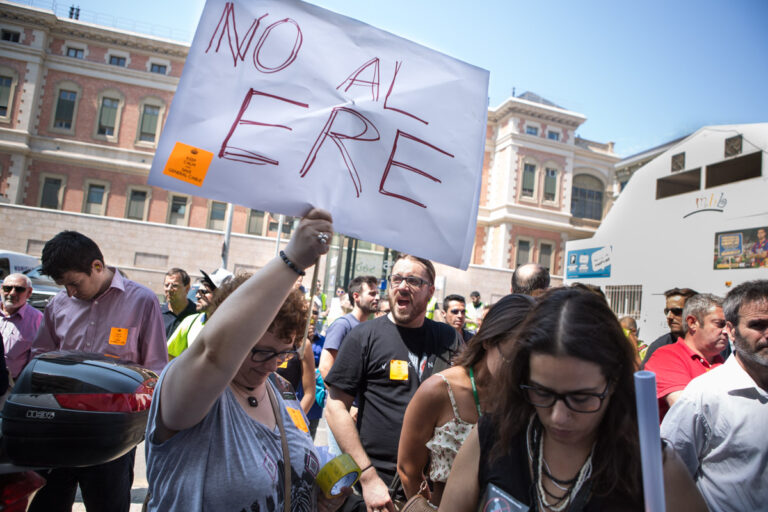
(650, 440)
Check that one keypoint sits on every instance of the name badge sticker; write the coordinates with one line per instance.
(398, 370)
(118, 336)
(298, 419)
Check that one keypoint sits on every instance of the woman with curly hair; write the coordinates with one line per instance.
(447, 405)
(220, 436)
(563, 435)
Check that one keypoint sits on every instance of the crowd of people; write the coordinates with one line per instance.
(529, 400)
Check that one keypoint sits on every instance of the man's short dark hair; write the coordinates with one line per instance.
(356, 285)
(69, 251)
(475, 294)
(751, 291)
(686, 293)
(451, 298)
(538, 280)
(181, 273)
(427, 264)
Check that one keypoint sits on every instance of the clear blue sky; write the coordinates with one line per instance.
(641, 72)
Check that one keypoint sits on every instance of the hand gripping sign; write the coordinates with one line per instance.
(283, 105)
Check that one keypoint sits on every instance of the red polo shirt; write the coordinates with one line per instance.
(675, 366)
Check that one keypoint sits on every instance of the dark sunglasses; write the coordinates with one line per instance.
(19, 289)
(674, 311)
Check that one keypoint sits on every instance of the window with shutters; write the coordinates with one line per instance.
(522, 252)
(137, 203)
(8, 81)
(51, 193)
(108, 117)
(217, 215)
(550, 184)
(178, 210)
(66, 100)
(529, 180)
(151, 112)
(256, 222)
(546, 250)
(95, 197)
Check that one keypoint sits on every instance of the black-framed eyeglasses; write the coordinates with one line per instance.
(578, 401)
(19, 289)
(458, 311)
(674, 311)
(261, 356)
(412, 281)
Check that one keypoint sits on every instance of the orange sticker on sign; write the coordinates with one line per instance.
(298, 419)
(398, 370)
(118, 336)
(188, 163)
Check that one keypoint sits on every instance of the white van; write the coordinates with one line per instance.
(16, 263)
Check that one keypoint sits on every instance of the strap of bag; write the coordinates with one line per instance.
(284, 441)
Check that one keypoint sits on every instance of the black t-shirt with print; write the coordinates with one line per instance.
(382, 365)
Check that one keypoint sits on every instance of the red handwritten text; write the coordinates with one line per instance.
(243, 155)
(239, 49)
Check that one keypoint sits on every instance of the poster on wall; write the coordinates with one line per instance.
(284, 105)
(744, 248)
(594, 262)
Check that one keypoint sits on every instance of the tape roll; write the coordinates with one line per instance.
(339, 472)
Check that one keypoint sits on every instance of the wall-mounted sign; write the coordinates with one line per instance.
(745, 248)
(595, 262)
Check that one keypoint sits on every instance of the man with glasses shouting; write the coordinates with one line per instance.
(18, 322)
(382, 362)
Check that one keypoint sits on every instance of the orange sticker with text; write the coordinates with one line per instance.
(398, 370)
(298, 419)
(188, 163)
(118, 336)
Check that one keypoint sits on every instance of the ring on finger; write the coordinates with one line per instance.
(323, 238)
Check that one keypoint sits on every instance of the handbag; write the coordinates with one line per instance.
(418, 503)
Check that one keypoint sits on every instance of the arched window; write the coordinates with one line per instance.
(587, 197)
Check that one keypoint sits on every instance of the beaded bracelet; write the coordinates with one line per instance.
(291, 264)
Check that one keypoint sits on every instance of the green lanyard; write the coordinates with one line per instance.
(474, 390)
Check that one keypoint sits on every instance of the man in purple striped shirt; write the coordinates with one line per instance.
(99, 312)
(19, 322)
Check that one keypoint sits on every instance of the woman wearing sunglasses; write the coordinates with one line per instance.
(446, 406)
(219, 433)
(563, 435)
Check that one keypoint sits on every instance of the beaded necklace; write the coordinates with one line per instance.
(535, 446)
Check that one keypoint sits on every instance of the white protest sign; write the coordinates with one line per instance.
(283, 105)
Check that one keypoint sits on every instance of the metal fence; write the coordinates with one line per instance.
(625, 300)
(63, 10)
